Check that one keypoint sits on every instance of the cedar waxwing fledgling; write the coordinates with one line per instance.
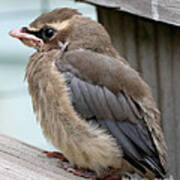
(88, 100)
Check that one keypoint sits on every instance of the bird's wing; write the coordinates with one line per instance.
(98, 87)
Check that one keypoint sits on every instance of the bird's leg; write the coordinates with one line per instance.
(80, 172)
(56, 155)
(113, 177)
(110, 174)
(76, 171)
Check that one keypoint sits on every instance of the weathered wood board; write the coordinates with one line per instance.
(167, 11)
(154, 50)
(20, 161)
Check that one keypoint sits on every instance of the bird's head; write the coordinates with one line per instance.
(62, 25)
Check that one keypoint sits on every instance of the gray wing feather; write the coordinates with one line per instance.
(118, 114)
(116, 108)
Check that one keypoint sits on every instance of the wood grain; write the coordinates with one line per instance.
(20, 161)
(167, 11)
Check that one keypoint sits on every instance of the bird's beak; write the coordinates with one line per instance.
(23, 35)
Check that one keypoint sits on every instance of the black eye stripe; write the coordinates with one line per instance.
(36, 33)
(39, 34)
(42, 34)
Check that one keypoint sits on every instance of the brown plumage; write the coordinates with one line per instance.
(90, 103)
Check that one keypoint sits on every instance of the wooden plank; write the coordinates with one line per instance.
(165, 47)
(167, 11)
(20, 161)
(176, 93)
(104, 3)
(131, 41)
(117, 32)
(147, 54)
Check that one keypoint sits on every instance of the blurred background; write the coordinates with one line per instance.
(16, 115)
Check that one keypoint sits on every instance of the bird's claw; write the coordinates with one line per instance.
(107, 175)
(56, 155)
(80, 172)
(110, 174)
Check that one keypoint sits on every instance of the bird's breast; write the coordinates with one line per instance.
(50, 98)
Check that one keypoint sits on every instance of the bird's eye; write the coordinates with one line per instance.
(48, 33)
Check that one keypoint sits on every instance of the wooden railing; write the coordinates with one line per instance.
(20, 161)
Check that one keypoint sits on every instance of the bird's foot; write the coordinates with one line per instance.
(110, 174)
(107, 175)
(81, 172)
(112, 177)
(75, 171)
(56, 155)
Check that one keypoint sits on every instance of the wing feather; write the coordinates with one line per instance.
(113, 110)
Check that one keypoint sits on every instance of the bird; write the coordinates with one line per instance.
(90, 103)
